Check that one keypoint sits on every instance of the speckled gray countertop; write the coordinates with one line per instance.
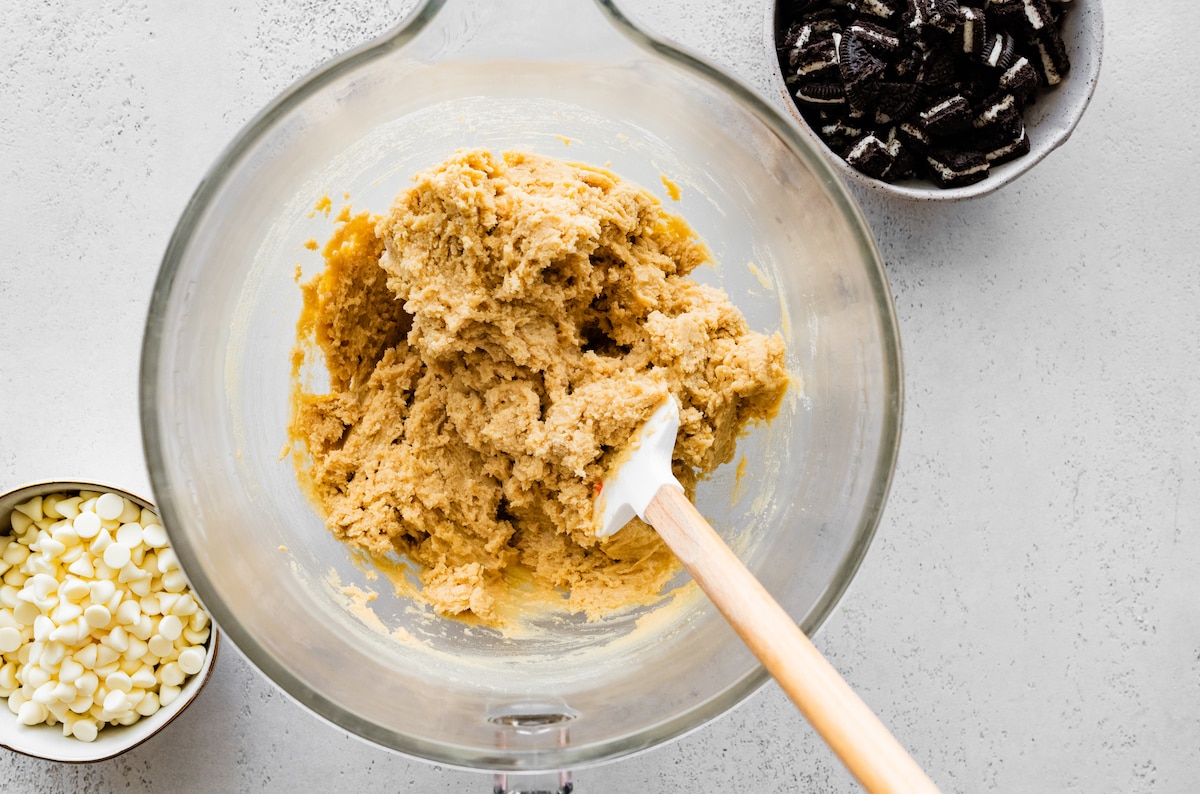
(1028, 618)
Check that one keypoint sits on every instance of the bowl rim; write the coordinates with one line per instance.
(881, 470)
(40, 488)
(1087, 72)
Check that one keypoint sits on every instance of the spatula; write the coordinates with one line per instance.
(642, 484)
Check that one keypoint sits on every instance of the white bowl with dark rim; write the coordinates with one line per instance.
(1049, 121)
(47, 741)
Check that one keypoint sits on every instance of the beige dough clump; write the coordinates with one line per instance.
(492, 342)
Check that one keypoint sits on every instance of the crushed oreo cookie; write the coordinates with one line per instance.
(933, 89)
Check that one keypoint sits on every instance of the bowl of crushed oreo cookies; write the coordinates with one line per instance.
(936, 99)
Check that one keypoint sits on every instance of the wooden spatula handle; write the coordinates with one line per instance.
(850, 728)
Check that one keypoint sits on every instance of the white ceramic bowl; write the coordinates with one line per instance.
(1049, 122)
(48, 742)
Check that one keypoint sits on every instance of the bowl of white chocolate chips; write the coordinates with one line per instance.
(102, 642)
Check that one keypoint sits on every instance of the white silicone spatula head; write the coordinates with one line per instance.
(640, 471)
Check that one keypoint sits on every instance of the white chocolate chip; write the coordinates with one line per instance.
(36, 676)
(167, 694)
(109, 506)
(32, 508)
(118, 681)
(195, 637)
(160, 646)
(117, 640)
(171, 674)
(31, 713)
(191, 659)
(144, 678)
(128, 612)
(57, 710)
(64, 532)
(51, 547)
(142, 628)
(102, 591)
(116, 555)
(70, 670)
(87, 684)
(69, 634)
(85, 730)
(97, 616)
(10, 639)
(43, 586)
(73, 589)
(154, 536)
(149, 705)
(167, 561)
(86, 525)
(167, 602)
(40, 563)
(185, 606)
(130, 573)
(105, 654)
(137, 649)
(135, 696)
(26, 613)
(45, 693)
(86, 656)
(131, 513)
(42, 626)
(49, 509)
(65, 612)
(82, 567)
(16, 553)
(68, 508)
(53, 653)
(116, 703)
(170, 627)
(100, 541)
(130, 535)
(174, 581)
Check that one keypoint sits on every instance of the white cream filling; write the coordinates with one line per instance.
(949, 172)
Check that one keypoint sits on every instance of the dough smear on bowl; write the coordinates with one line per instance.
(492, 342)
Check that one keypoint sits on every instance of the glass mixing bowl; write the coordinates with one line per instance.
(569, 79)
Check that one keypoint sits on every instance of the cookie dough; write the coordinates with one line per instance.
(492, 342)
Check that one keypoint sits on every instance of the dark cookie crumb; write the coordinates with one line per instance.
(951, 168)
(871, 156)
(947, 116)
